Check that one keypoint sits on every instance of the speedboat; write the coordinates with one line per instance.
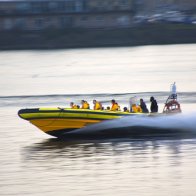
(58, 121)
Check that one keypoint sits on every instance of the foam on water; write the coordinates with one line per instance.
(142, 125)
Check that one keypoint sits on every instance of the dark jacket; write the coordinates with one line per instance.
(154, 106)
(144, 108)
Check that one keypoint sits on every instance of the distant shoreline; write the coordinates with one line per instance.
(147, 34)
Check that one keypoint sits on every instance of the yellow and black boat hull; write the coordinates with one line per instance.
(58, 121)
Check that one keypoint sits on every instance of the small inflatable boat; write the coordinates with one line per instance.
(58, 121)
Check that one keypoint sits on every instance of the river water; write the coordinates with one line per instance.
(33, 163)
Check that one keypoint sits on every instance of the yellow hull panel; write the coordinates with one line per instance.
(48, 125)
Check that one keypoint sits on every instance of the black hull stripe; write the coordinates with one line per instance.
(75, 118)
(59, 133)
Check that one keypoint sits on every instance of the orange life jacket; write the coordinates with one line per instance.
(74, 107)
(115, 107)
(85, 105)
(97, 106)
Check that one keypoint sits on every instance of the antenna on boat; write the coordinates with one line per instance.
(173, 91)
(172, 105)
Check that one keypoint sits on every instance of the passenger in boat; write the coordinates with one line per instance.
(73, 106)
(136, 108)
(143, 106)
(97, 105)
(154, 105)
(115, 106)
(85, 105)
(108, 108)
(125, 109)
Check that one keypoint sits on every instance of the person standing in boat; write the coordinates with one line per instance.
(73, 106)
(143, 106)
(85, 105)
(154, 105)
(97, 105)
(115, 106)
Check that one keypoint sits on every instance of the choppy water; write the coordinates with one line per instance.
(33, 163)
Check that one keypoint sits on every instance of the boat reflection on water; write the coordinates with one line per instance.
(55, 148)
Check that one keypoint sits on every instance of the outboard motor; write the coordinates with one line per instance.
(172, 105)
